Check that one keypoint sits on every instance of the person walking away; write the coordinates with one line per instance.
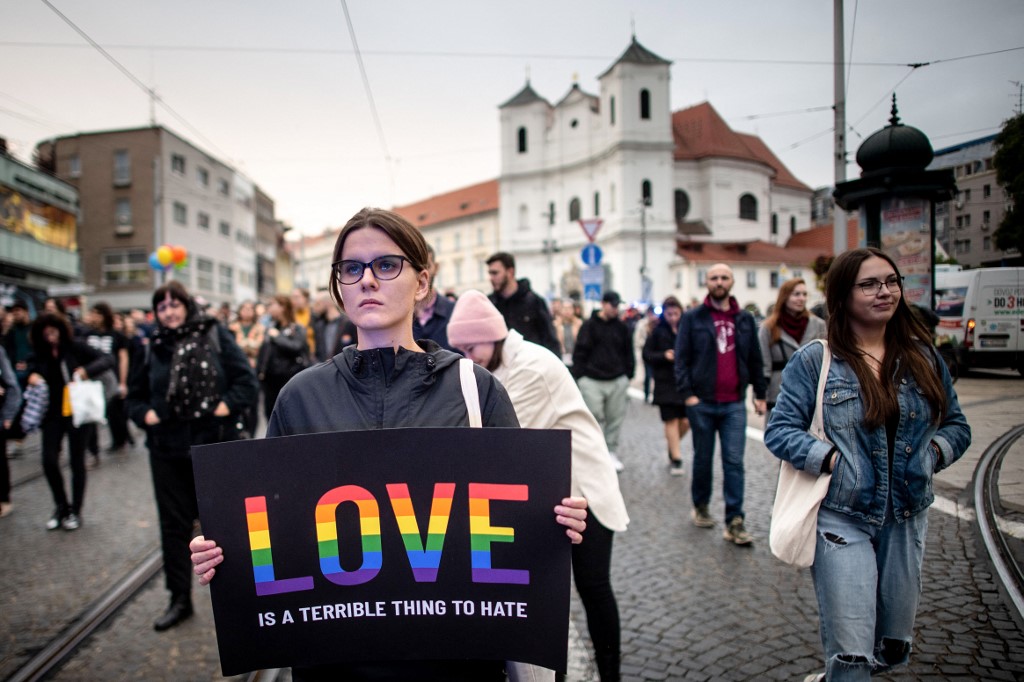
(433, 312)
(56, 359)
(188, 349)
(894, 421)
(10, 401)
(789, 326)
(603, 363)
(249, 335)
(641, 332)
(659, 352)
(522, 309)
(717, 357)
(386, 380)
(567, 327)
(545, 397)
(284, 353)
(101, 335)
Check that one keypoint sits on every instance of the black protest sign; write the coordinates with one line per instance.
(399, 544)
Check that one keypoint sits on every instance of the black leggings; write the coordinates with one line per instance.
(53, 430)
(591, 568)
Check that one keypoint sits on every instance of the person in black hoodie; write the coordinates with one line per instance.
(188, 348)
(522, 309)
(57, 358)
(603, 362)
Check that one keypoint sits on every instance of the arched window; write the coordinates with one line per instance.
(522, 140)
(645, 104)
(611, 109)
(748, 207)
(574, 208)
(682, 205)
(792, 225)
(775, 223)
(645, 191)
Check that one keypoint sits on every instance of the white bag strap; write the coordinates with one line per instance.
(470, 392)
(817, 426)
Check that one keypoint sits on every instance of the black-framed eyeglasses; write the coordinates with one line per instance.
(383, 267)
(871, 287)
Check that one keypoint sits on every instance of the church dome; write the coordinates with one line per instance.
(895, 146)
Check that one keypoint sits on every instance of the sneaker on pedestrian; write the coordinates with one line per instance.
(701, 517)
(616, 462)
(736, 532)
(675, 467)
(71, 522)
(54, 522)
(6, 508)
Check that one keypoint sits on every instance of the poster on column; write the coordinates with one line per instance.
(398, 544)
(906, 237)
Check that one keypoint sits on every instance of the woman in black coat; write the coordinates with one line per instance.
(187, 349)
(56, 359)
(284, 353)
(659, 352)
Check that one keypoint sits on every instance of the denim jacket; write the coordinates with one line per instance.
(861, 479)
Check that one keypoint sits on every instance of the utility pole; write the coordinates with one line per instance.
(839, 87)
(644, 203)
(549, 248)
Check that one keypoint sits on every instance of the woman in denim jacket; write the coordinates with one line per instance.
(894, 421)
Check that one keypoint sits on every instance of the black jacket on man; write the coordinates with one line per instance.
(527, 313)
(604, 349)
(697, 355)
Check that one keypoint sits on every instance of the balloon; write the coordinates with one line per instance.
(182, 265)
(164, 255)
(178, 254)
(154, 262)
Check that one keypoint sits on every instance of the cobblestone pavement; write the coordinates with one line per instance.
(693, 607)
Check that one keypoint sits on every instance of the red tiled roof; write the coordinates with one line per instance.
(819, 238)
(743, 252)
(700, 132)
(459, 203)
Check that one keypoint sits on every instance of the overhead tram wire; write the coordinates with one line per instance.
(150, 92)
(388, 161)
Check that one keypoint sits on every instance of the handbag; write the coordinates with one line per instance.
(88, 404)
(111, 386)
(794, 524)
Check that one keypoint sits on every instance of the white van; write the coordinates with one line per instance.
(981, 316)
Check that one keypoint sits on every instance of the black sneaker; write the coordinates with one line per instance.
(676, 467)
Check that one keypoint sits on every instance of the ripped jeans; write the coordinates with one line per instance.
(868, 583)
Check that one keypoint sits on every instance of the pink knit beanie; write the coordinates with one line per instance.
(475, 320)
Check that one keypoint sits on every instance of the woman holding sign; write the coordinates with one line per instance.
(387, 380)
(546, 397)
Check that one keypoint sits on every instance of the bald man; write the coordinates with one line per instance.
(717, 356)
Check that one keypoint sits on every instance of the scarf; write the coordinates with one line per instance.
(192, 392)
(794, 326)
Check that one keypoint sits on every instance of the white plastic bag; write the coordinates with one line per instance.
(88, 404)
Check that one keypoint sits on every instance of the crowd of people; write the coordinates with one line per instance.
(891, 415)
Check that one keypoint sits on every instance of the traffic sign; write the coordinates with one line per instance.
(592, 292)
(591, 254)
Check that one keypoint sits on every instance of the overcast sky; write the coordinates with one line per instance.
(274, 88)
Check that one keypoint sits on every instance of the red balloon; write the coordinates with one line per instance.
(178, 254)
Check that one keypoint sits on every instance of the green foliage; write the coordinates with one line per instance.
(1009, 164)
(944, 260)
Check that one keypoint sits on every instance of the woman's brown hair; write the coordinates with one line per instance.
(907, 343)
(409, 240)
(286, 308)
(772, 321)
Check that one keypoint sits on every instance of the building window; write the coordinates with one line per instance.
(574, 209)
(225, 279)
(522, 140)
(645, 104)
(180, 213)
(223, 188)
(458, 241)
(123, 213)
(183, 274)
(774, 279)
(967, 220)
(748, 207)
(122, 168)
(792, 225)
(967, 195)
(962, 246)
(702, 277)
(75, 167)
(986, 217)
(479, 236)
(775, 224)
(751, 279)
(203, 176)
(225, 228)
(524, 218)
(986, 191)
(959, 221)
(203, 220)
(126, 266)
(178, 164)
(204, 278)
(682, 200)
(986, 243)
(645, 192)
(611, 109)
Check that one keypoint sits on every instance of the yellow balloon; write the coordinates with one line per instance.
(165, 255)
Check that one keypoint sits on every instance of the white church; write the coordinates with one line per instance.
(655, 184)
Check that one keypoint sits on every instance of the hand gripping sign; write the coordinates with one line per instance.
(400, 544)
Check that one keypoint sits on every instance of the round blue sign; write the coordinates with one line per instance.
(591, 254)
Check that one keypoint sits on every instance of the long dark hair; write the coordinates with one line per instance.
(286, 309)
(772, 321)
(103, 310)
(907, 343)
(39, 345)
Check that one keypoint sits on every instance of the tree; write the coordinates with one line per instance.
(1009, 163)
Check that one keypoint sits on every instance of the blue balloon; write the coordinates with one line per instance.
(154, 262)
